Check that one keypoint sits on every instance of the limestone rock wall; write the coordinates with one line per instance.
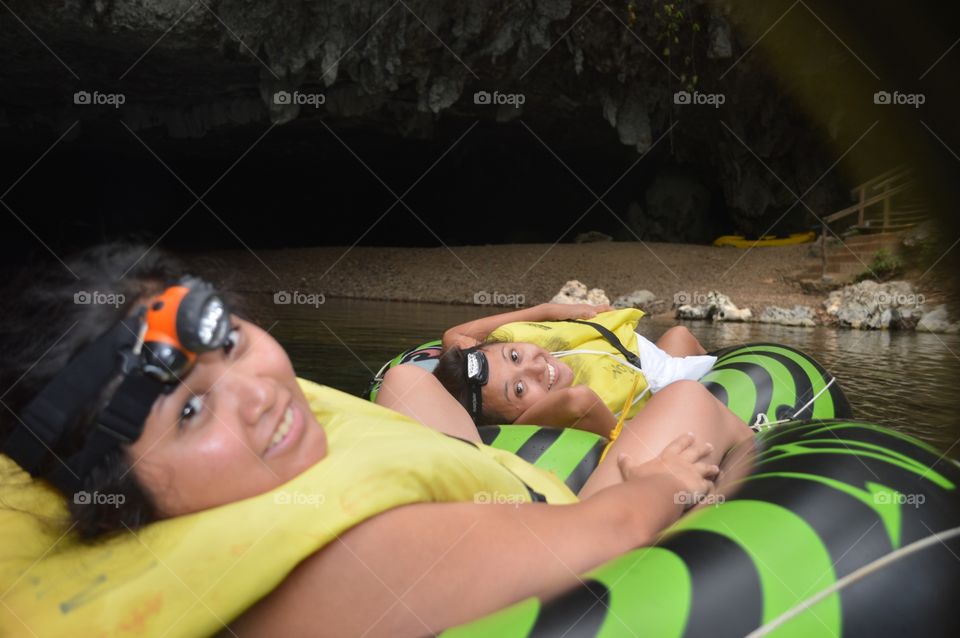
(401, 65)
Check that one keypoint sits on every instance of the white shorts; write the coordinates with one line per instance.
(662, 369)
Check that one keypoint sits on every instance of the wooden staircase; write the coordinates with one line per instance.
(887, 206)
(848, 259)
(886, 203)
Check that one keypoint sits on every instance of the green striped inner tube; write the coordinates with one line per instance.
(843, 528)
(776, 381)
(570, 454)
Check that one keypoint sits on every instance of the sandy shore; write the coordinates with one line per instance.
(532, 273)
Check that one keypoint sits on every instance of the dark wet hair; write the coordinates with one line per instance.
(451, 371)
(43, 326)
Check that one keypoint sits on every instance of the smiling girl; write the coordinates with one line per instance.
(585, 380)
(235, 422)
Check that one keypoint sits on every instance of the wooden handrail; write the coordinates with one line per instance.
(889, 181)
(876, 199)
(878, 190)
(891, 175)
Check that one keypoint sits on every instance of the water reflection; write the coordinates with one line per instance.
(904, 380)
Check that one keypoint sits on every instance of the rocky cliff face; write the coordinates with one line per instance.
(594, 79)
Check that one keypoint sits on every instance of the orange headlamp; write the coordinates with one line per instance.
(184, 321)
(152, 350)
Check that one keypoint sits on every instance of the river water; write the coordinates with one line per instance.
(907, 381)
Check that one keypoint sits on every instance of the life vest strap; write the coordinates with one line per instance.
(631, 357)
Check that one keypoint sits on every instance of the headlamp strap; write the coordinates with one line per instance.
(121, 422)
(125, 414)
(45, 419)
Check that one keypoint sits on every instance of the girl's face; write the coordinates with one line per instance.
(237, 426)
(521, 374)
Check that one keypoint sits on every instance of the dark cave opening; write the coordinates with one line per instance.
(301, 184)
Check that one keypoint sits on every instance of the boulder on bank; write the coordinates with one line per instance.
(642, 299)
(869, 305)
(574, 291)
(937, 320)
(716, 306)
(796, 316)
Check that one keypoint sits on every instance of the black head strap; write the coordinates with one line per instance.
(48, 417)
(477, 375)
(52, 413)
(120, 423)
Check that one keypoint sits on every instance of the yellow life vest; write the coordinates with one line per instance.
(599, 365)
(192, 573)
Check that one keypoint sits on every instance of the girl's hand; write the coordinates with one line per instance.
(561, 311)
(681, 459)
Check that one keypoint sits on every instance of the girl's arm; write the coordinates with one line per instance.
(574, 407)
(413, 391)
(471, 333)
(418, 569)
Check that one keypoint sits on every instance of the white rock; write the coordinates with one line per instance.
(575, 291)
(717, 307)
(572, 292)
(686, 311)
(869, 305)
(937, 320)
(642, 299)
(796, 316)
(597, 297)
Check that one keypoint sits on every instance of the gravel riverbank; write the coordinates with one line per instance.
(525, 273)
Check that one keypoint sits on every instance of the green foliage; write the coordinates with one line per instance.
(676, 32)
(885, 265)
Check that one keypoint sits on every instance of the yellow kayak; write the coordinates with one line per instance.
(740, 241)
